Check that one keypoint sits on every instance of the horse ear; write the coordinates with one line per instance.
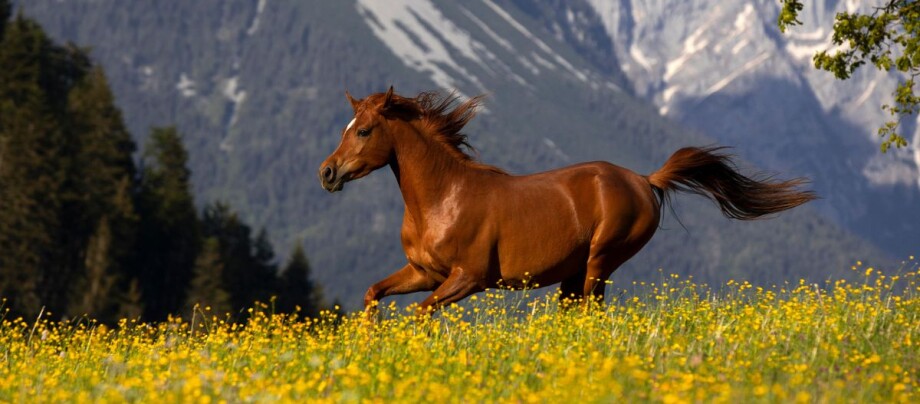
(388, 98)
(354, 102)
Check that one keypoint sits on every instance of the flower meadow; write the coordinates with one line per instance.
(669, 341)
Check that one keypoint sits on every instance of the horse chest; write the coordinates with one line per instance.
(429, 247)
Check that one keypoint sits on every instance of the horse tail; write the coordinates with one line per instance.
(707, 172)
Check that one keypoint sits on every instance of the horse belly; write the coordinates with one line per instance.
(551, 271)
(545, 242)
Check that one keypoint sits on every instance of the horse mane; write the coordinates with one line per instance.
(445, 116)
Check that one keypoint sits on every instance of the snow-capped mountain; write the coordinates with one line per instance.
(725, 69)
(256, 86)
(680, 51)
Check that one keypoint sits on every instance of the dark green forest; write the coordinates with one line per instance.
(87, 230)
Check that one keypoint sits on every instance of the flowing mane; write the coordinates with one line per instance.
(445, 116)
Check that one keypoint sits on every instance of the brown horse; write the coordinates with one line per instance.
(469, 226)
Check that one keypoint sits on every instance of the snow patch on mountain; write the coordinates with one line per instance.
(561, 61)
(148, 79)
(739, 46)
(719, 85)
(506, 70)
(186, 86)
(804, 47)
(519, 27)
(459, 49)
(866, 94)
(488, 31)
(556, 150)
(408, 29)
(884, 170)
(236, 97)
(640, 57)
(254, 25)
(916, 147)
(897, 167)
(746, 18)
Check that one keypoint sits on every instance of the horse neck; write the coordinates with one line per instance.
(425, 170)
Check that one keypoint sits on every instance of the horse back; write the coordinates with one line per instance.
(552, 218)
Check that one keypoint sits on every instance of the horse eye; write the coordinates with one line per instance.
(364, 132)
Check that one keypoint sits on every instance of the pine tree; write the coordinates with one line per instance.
(265, 269)
(296, 288)
(130, 301)
(99, 184)
(67, 179)
(206, 289)
(168, 239)
(124, 224)
(103, 148)
(31, 167)
(93, 295)
(249, 269)
(5, 12)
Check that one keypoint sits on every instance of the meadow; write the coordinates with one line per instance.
(669, 341)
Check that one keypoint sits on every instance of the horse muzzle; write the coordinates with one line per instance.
(330, 179)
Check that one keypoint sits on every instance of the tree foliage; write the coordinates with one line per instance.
(888, 38)
(82, 230)
(93, 292)
(35, 77)
(5, 9)
(249, 270)
(98, 197)
(66, 177)
(169, 237)
(206, 291)
(297, 289)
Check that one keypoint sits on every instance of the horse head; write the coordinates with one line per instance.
(367, 141)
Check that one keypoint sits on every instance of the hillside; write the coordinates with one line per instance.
(257, 89)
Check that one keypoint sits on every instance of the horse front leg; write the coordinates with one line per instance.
(457, 286)
(406, 280)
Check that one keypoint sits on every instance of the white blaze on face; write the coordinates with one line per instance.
(350, 124)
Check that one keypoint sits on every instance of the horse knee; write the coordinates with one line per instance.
(372, 295)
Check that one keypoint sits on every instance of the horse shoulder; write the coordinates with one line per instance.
(410, 237)
(449, 234)
(424, 241)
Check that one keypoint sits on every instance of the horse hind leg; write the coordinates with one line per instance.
(608, 251)
(572, 289)
(600, 267)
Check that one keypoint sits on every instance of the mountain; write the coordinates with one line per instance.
(257, 89)
(723, 68)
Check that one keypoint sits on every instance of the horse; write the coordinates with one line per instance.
(469, 226)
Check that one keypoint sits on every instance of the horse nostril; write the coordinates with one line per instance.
(328, 174)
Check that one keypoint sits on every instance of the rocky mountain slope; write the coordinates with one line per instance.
(256, 86)
(724, 68)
